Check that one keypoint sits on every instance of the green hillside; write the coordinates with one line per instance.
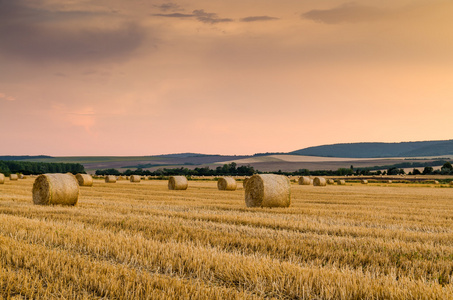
(372, 150)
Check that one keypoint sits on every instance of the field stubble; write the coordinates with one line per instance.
(128, 240)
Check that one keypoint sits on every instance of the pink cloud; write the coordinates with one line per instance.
(6, 97)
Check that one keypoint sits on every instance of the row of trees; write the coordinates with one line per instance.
(232, 170)
(36, 168)
(227, 169)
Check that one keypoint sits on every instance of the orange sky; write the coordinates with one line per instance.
(110, 77)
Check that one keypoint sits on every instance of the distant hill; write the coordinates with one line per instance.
(377, 150)
(23, 157)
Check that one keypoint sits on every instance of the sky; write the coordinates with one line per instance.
(136, 77)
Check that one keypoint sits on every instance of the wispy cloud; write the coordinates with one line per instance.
(198, 14)
(258, 18)
(169, 7)
(7, 97)
(351, 12)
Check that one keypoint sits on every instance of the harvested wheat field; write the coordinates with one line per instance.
(148, 242)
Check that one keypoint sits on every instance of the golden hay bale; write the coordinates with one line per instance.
(84, 179)
(341, 182)
(364, 181)
(389, 181)
(21, 176)
(13, 177)
(244, 183)
(319, 181)
(56, 189)
(268, 190)
(330, 181)
(304, 180)
(2, 178)
(436, 182)
(178, 183)
(110, 179)
(226, 184)
(135, 178)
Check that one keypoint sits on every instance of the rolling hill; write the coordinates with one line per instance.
(379, 150)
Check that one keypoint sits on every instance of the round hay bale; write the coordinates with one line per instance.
(364, 181)
(21, 176)
(178, 183)
(389, 181)
(341, 182)
(436, 182)
(135, 178)
(304, 180)
(84, 179)
(330, 181)
(319, 181)
(226, 184)
(268, 190)
(55, 189)
(13, 177)
(244, 183)
(110, 179)
(2, 178)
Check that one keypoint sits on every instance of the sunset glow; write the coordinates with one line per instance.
(85, 77)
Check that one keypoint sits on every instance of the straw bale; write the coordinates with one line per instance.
(330, 181)
(13, 177)
(436, 182)
(268, 190)
(226, 184)
(56, 189)
(2, 178)
(110, 179)
(341, 182)
(178, 183)
(319, 181)
(135, 178)
(364, 181)
(84, 179)
(244, 183)
(389, 181)
(304, 180)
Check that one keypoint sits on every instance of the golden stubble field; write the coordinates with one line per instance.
(142, 241)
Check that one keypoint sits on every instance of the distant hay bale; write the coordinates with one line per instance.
(226, 184)
(13, 177)
(135, 178)
(304, 180)
(341, 182)
(178, 183)
(56, 189)
(364, 181)
(330, 181)
(2, 178)
(319, 181)
(110, 179)
(389, 181)
(84, 179)
(436, 182)
(451, 182)
(21, 176)
(268, 190)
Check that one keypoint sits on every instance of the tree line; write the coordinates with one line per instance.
(233, 170)
(36, 168)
